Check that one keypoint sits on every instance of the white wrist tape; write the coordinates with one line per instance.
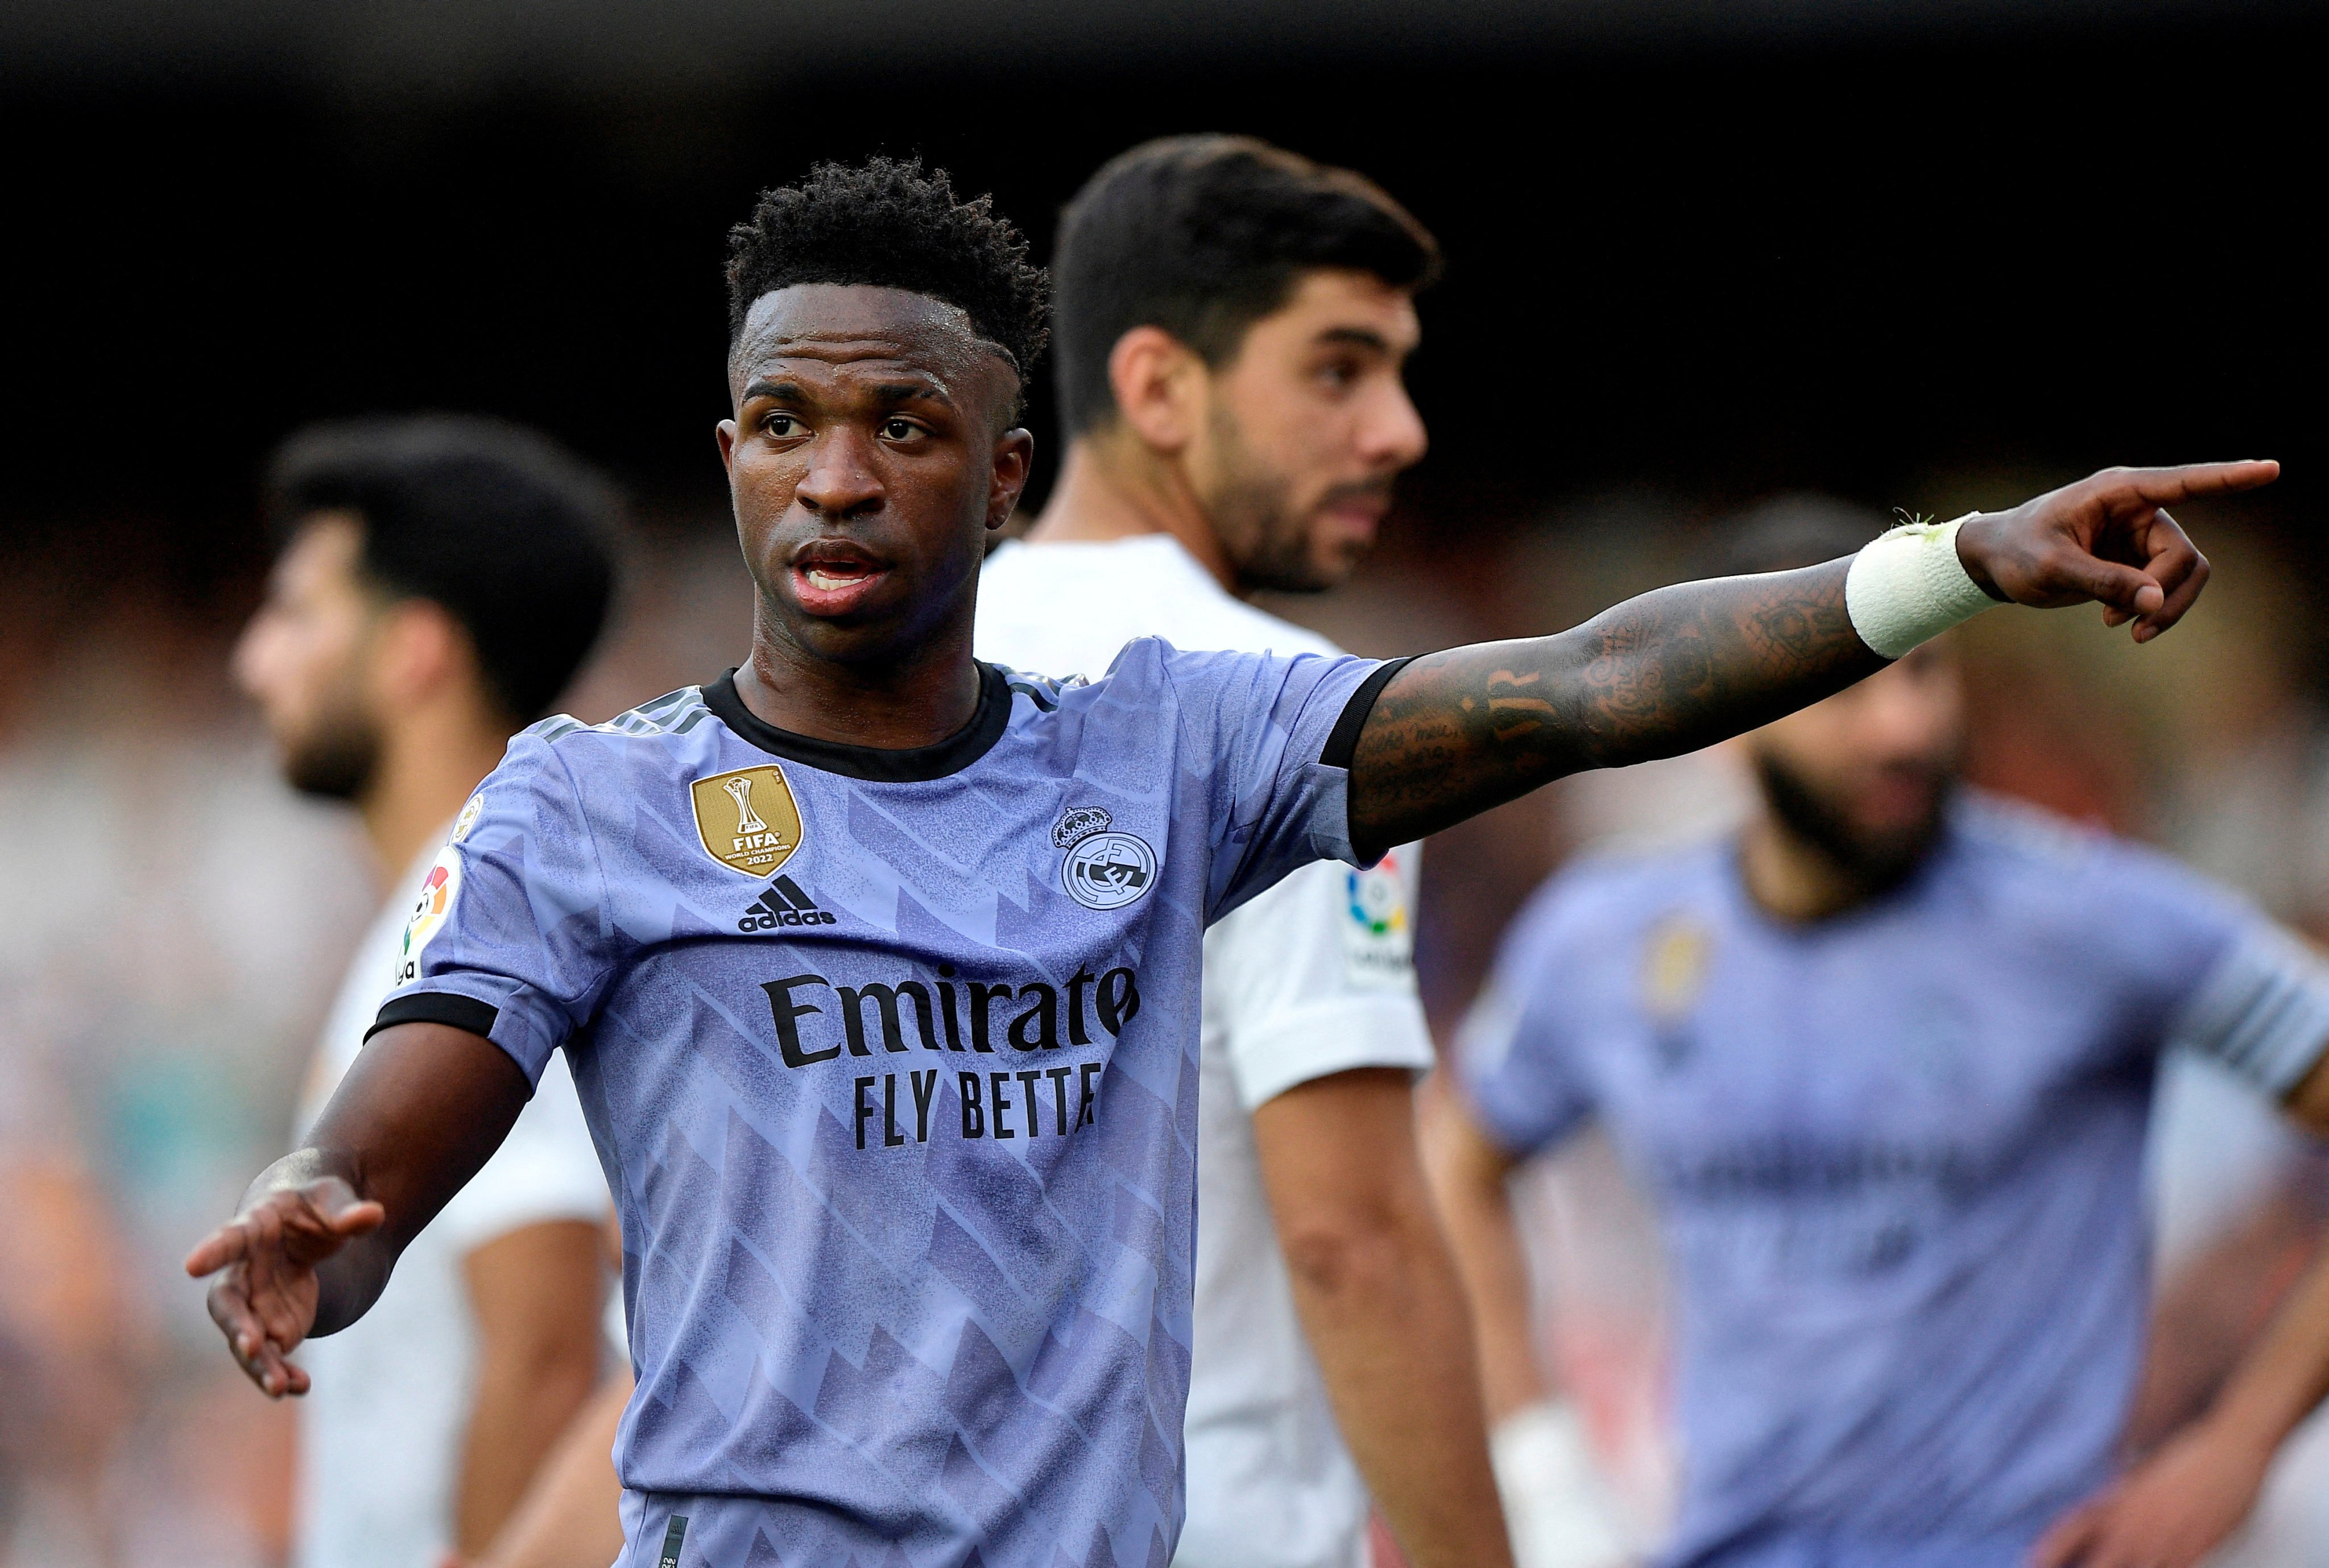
(1556, 1504)
(1907, 585)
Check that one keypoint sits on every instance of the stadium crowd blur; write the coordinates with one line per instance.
(178, 920)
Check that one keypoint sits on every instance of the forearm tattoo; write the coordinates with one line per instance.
(1456, 732)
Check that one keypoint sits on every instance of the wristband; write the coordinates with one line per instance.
(1907, 585)
(1556, 1504)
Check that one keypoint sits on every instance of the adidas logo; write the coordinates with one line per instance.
(784, 904)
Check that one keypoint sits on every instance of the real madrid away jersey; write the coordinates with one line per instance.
(891, 1058)
(1897, 1157)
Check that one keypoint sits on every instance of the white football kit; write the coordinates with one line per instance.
(380, 1431)
(1313, 977)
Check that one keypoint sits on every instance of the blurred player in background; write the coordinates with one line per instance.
(1232, 322)
(1885, 1062)
(442, 579)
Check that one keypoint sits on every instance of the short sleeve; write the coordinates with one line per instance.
(1515, 1064)
(2200, 968)
(1258, 724)
(546, 1169)
(2263, 1010)
(1317, 975)
(509, 938)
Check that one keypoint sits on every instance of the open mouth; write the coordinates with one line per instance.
(831, 576)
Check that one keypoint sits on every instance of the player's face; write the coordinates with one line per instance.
(302, 660)
(867, 460)
(1864, 775)
(1307, 428)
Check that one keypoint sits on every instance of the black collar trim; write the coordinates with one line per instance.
(911, 765)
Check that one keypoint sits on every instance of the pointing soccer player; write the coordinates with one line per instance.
(1884, 1061)
(907, 1196)
(1231, 322)
(442, 579)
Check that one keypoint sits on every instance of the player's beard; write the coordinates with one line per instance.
(1269, 544)
(338, 757)
(1875, 861)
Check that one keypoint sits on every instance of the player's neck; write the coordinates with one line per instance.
(429, 763)
(918, 698)
(1792, 879)
(1111, 487)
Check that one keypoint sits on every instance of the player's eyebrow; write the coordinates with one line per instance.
(1357, 337)
(901, 391)
(765, 388)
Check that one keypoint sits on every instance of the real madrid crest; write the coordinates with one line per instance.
(1104, 869)
(747, 819)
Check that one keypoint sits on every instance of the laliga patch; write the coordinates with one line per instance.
(429, 913)
(747, 819)
(1378, 940)
(1108, 870)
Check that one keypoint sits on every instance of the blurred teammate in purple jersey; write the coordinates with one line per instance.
(878, 967)
(1884, 1063)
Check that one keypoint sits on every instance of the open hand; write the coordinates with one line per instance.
(2108, 538)
(264, 1302)
(2169, 1513)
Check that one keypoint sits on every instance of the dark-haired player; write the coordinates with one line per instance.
(440, 582)
(1231, 323)
(908, 1197)
(1884, 1059)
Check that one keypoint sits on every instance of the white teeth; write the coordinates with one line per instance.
(826, 580)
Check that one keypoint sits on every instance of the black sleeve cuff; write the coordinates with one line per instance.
(1344, 738)
(438, 1007)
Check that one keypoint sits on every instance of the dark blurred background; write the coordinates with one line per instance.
(1934, 254)
(1713, 248)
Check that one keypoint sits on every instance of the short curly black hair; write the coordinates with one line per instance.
(890, 222)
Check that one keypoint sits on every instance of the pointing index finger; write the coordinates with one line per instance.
(2164, 486)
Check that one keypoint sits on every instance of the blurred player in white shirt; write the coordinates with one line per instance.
(1230, 324)
(441, 581)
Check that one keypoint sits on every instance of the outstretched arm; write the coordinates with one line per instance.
(1456, 732)
(311, 1246)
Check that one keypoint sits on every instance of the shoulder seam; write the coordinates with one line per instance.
(674, 713)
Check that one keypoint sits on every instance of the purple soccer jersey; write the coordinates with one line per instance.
(1897, 1158)
(892, 1059)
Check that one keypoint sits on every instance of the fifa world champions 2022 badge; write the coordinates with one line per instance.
(1104, 869)
(747, 820)
(430, 910)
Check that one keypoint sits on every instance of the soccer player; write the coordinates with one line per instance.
(1231, 321)
(442, 579)
(878, 967)
(1884, 1061)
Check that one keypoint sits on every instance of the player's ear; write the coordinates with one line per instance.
(419, 649)
(1158, 381)
(1014, 461)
